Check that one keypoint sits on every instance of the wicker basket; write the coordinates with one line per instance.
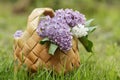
(28, 50)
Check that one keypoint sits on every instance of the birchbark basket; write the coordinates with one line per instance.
(28, 50)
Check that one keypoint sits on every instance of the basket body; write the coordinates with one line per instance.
(28, 50)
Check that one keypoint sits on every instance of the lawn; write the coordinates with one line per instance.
(103, 64)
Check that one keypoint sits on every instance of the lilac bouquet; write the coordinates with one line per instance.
(60, 29)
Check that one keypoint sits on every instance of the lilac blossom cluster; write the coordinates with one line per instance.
(72, 18)
(57, 31)
(58, 28)
(18, 33)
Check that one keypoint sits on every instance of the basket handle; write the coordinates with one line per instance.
(40, 11)
(34, 17)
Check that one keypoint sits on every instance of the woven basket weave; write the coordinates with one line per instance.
(28, 50)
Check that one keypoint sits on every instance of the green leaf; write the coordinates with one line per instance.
(91, 29)
(86, 43)
(88, 22)
(52, 48)
(44, 40)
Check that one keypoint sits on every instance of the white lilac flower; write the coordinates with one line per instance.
(72, 18)
(18, 33)
(79, 31)
(57, 31)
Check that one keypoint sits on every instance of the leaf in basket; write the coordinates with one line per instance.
(91, 29)
(44, 40)
(86, 43)
(52, 48)
(88, 22)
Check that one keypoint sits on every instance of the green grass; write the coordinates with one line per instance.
(103, 64)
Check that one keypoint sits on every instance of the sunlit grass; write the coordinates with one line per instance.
(103, 64)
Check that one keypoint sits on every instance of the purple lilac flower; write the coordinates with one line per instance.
(18, 33)
(72, 18)
(57, 31)
(42, 26)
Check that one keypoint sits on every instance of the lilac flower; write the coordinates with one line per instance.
(72, 18)
(62, 38)
(57, 31)
(18, 33)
